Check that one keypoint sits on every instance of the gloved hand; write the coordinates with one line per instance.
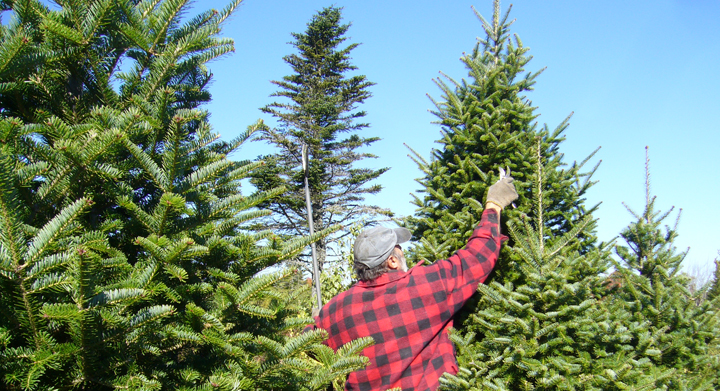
(502, 193)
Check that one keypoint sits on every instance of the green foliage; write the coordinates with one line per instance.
(552, 264)
(682, 331)
(550, 317)
(341, 275)
(553, 331)
(127, 258)
(487, 123)
(319, 111)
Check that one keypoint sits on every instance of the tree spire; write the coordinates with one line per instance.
(319, 108)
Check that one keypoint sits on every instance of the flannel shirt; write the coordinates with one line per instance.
(408, 314)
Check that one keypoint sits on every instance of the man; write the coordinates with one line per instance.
(408, 312)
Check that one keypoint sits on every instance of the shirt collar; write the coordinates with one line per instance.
(388, 277)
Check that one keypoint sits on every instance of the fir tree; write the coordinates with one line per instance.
(680, 333)
(126, 254)
(487, 123)
(552, 331)
(320, 112)
(714, 289)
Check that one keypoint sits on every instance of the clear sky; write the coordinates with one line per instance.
(635, 74)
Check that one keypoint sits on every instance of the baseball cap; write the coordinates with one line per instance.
(373, 246)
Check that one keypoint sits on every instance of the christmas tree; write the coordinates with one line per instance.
(714, 285)
(487, 122)
(127, 258)
(553, 330)
(679, 333)
(546, 320)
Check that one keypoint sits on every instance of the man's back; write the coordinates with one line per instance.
(408, 315)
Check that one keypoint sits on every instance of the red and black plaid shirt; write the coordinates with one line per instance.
(408, 315)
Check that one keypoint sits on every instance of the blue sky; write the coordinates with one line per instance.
(635, 74)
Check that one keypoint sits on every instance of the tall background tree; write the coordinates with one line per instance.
(127, 257)
(320, 109)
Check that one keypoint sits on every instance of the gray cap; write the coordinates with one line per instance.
(373, 246)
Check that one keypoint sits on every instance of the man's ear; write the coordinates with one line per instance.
(393, 263)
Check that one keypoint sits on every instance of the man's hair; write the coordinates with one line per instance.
(366, 273)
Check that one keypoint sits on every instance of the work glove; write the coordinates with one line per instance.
(502, 193)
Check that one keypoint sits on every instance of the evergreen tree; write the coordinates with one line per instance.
(714, 290)
(487, 123)
(127, 258)
(320, 112)
(552, 331)
(682, 334)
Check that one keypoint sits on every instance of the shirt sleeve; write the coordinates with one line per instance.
(468, 267)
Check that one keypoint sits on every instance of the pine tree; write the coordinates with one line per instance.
(553, 330)
(127, 258)
(487, 123)
(320, 112)
(681, 334)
